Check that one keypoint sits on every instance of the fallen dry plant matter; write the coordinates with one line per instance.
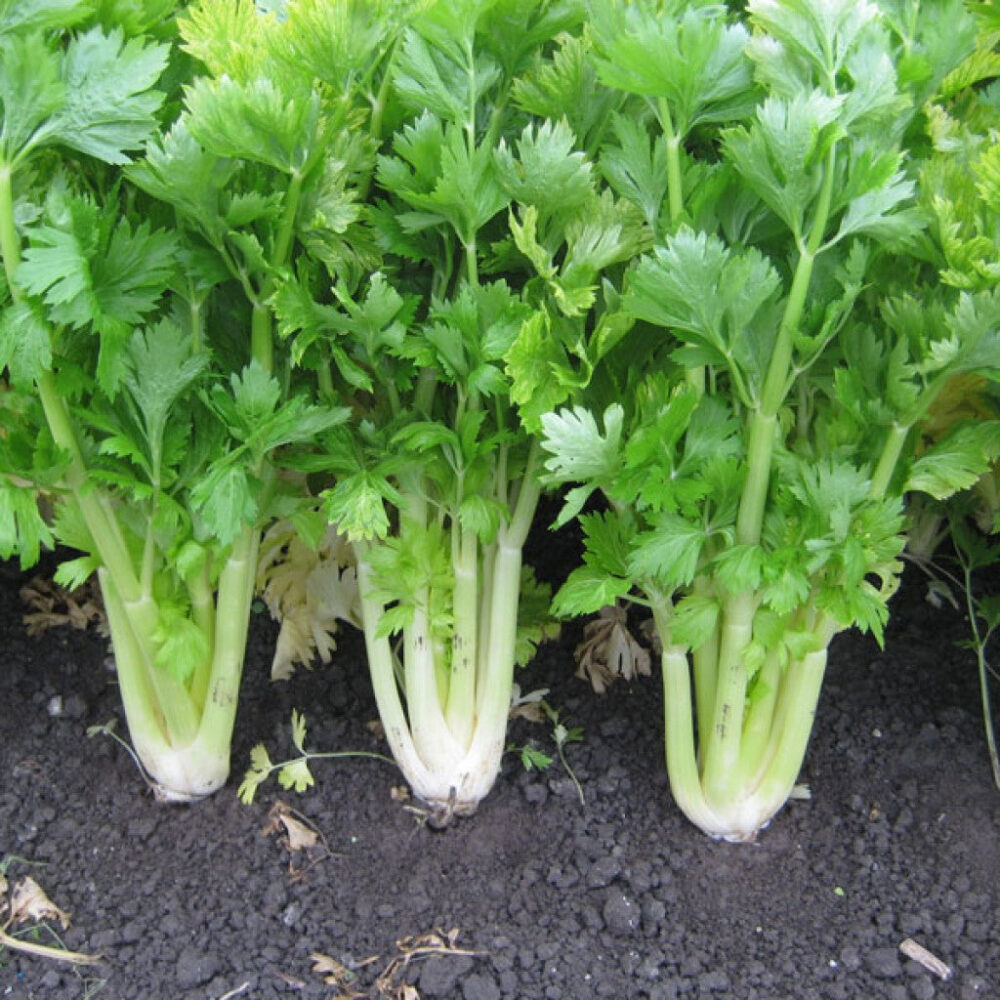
(389, 984)
(26, 903)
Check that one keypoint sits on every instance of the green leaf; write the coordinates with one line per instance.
(588, 589)
(481, 515)
(428, 79)
(96, 269)
(548, 172)
(296, 776)
(74, 573)
(956, 461)
(226, 501)
(531, 365)
(566, 87)
(160, 369)
(257, 121)
(23, 531)
(778, 154)
(110, 107)
(176, 170)
(450, 182)
(637, 167)
(608, 540)
(226, 35)
(712, 297)
(298, 730)
(823, 34)
(694, 620)
(25, 347)
(182, 648)
(580, 452)
(877, 213)
(534, 759)
(693, 60)
(669, 554)
(738, 568)
(357, 507)
(33, 15)
(394, 621)
(260, 768)
(31, 90)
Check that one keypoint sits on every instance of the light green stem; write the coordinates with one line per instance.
(203, 614)
(232, 621)
(705, 671)
(10, 244)
(764, 419)
(760, 719)
(888, 460)
(132, 630)
(464, 654)
(262, 337)
(675, 186)
(382, 670)
(496, 683)
(791, 735)
(678, 730)
(431, 736)
(721, 745)
(145, 721)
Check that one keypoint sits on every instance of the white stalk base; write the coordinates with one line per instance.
(182, 774)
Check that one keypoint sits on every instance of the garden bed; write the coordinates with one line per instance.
(622, 898)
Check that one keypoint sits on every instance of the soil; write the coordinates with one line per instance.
(620, 898)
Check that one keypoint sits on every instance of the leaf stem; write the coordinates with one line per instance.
(888, 460)
(763, 422)
(675, 186)
(10, 243)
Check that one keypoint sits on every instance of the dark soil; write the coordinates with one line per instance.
(620, 899)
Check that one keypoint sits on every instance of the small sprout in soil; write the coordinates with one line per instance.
(293, 774)
(534, 759)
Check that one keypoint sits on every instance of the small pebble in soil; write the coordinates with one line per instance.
(883, 963)
(603, 872)
(621, 914)
(480, 986)
(714, 981)
(195, 967)
(440, 975)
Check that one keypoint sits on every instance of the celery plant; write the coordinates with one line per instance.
(144, 396)
(753, 431)
(436, 483)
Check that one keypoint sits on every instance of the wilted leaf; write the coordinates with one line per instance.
(309, 590)
(29, 903)
(53, 605)
(609, 651)
(298, 835)
(527, 706)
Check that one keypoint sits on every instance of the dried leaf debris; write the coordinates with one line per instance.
(389, 983)
(52, 606)
(28, 903)
(309, 590)
(297, 834)
(609, 651)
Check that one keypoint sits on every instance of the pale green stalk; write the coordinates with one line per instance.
(383, 674)
(722, 743)
(678, 727)
(760, 718)
(461, 704)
